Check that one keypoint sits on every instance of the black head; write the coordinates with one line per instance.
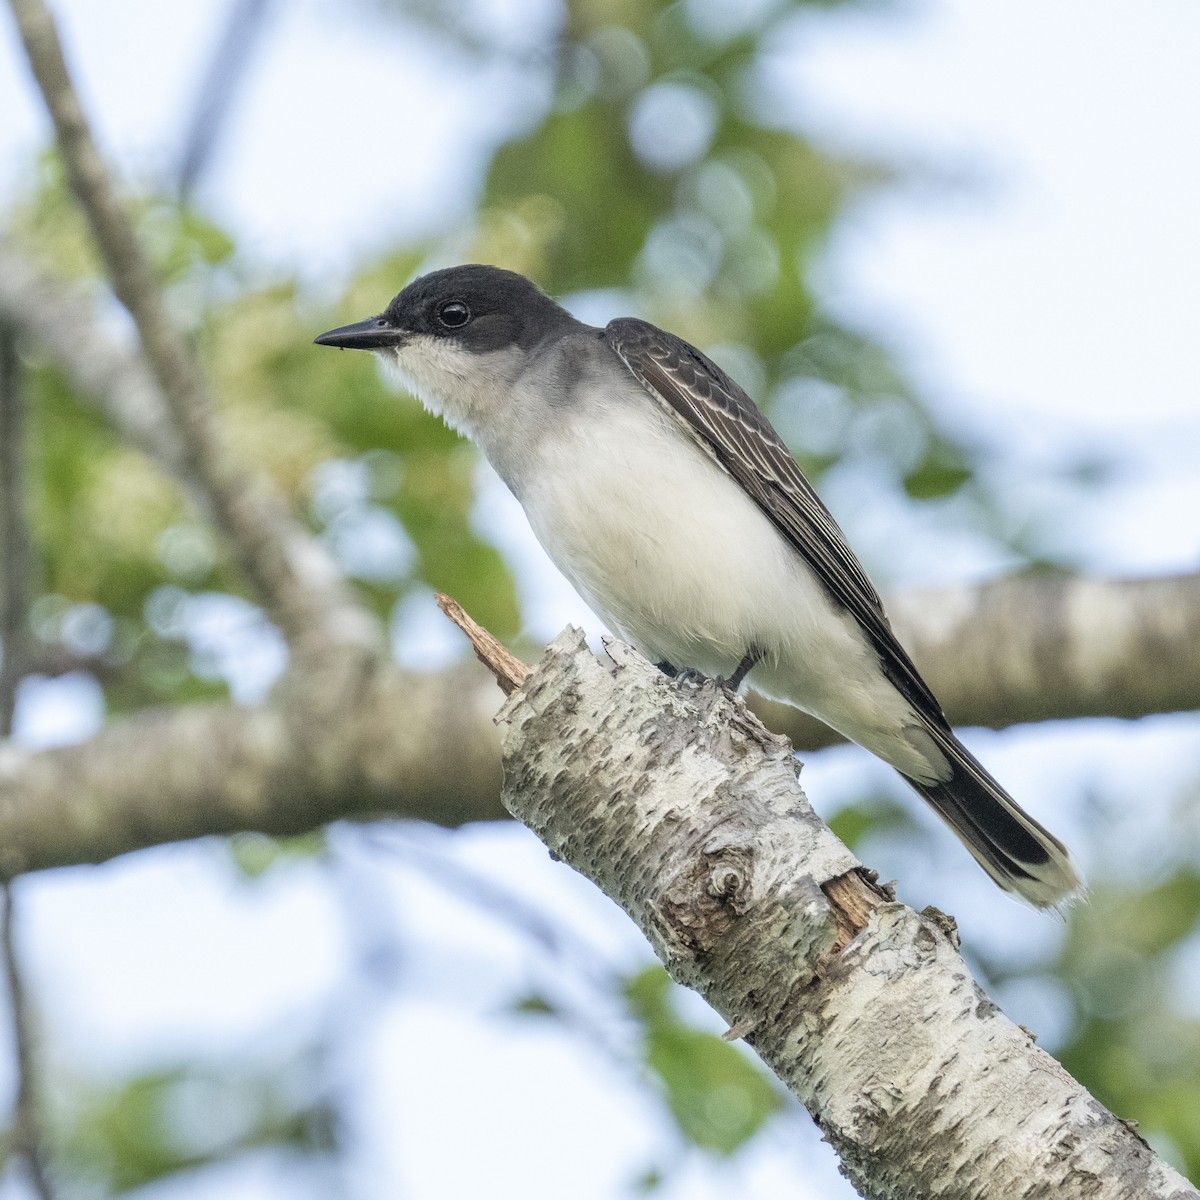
(478, 308)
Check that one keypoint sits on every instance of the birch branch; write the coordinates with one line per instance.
(1043, 649)
(296, 581)
(683, 809)
(346, 742)
(370, 740)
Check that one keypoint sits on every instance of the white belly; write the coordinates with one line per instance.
(675, 556)
(659, 540)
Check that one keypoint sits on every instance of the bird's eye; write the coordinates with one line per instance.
(454, 314)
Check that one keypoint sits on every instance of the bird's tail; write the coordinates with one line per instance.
(1019, 854)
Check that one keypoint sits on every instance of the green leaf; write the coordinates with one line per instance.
(941, 472)
(533, 1004)
(650, 1180)
(577, 197)
(853, 822)
(179, 1118)
(255, 854)
(434, 502)
(717, 1097)
(718, 1100)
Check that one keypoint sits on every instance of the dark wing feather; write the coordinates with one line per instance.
(728, 425)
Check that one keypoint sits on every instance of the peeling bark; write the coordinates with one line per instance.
(685, 810)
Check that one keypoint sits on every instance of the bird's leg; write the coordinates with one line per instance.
(751, 659)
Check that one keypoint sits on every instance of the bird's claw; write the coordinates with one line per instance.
(697, 679)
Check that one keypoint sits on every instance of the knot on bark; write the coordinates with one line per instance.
(700, 904)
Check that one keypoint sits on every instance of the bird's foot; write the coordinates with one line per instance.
(698, 679)
(688, 675)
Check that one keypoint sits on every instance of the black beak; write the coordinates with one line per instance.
(375, 333)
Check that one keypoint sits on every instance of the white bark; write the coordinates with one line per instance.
(688, 813)
(345, 740)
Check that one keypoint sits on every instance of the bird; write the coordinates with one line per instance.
(664, 495)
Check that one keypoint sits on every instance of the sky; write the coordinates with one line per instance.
(1039, 279)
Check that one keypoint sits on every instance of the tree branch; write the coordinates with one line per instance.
(683, 809)
(26, 1135)
(227, 68)
(301, 589)
(508, 670)
(27, 1138)
(55, 317)
(347, 742)
(1043, 649)
(14, 531)
(370, 740)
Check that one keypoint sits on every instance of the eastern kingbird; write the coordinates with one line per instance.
(668, 500)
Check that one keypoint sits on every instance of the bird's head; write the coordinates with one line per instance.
(456, 335)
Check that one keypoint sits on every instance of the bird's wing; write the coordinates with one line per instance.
(727, 424)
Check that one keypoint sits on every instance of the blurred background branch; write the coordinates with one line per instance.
(290, 574)
(232, 57)
(391, 743)
(26, 1134)
(14, 532)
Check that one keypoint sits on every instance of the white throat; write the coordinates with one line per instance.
(463, 388)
